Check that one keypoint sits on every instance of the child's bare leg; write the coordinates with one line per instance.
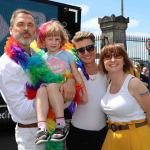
(56, 101)
(42, 106)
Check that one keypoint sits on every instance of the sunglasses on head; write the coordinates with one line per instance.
(89, 48)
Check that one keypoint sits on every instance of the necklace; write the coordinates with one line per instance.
(92, 77)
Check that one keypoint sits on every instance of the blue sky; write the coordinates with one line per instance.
(138, 12)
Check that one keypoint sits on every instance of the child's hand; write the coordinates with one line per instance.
(84, 97)
(68, 89)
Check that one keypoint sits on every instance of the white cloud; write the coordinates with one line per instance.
(91, 25)
(85, 9)
(133, 23)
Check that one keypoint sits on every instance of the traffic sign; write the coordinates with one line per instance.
(148, 48)
(148, 44)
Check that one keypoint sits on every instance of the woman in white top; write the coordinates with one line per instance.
(88, 125)
(126, 103)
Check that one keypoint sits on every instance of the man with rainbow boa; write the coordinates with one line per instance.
(14, 80)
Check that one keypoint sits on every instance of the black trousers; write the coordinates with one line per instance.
(79, 139)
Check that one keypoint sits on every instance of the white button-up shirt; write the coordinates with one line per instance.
(13, 81)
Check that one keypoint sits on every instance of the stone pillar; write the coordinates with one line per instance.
(113, 29)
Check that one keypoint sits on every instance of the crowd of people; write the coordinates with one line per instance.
(141, 71)
(114, 108)
(144, 76)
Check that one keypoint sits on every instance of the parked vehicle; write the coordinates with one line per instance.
(5, 117)
(43, 10)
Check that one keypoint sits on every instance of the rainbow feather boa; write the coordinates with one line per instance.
(40, 73)
(15, 52)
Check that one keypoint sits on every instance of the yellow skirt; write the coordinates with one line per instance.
(131, 139)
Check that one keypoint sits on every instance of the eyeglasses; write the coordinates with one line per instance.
(89, 49)
(114, 56)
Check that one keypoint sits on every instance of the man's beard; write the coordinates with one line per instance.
(24, 42)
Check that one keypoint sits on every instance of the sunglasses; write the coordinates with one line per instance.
(110, 56)
(89, 48)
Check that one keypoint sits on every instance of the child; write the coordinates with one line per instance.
(53, 36)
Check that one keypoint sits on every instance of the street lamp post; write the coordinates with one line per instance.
(122, 11)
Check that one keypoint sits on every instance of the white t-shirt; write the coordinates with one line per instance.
(89, 116)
